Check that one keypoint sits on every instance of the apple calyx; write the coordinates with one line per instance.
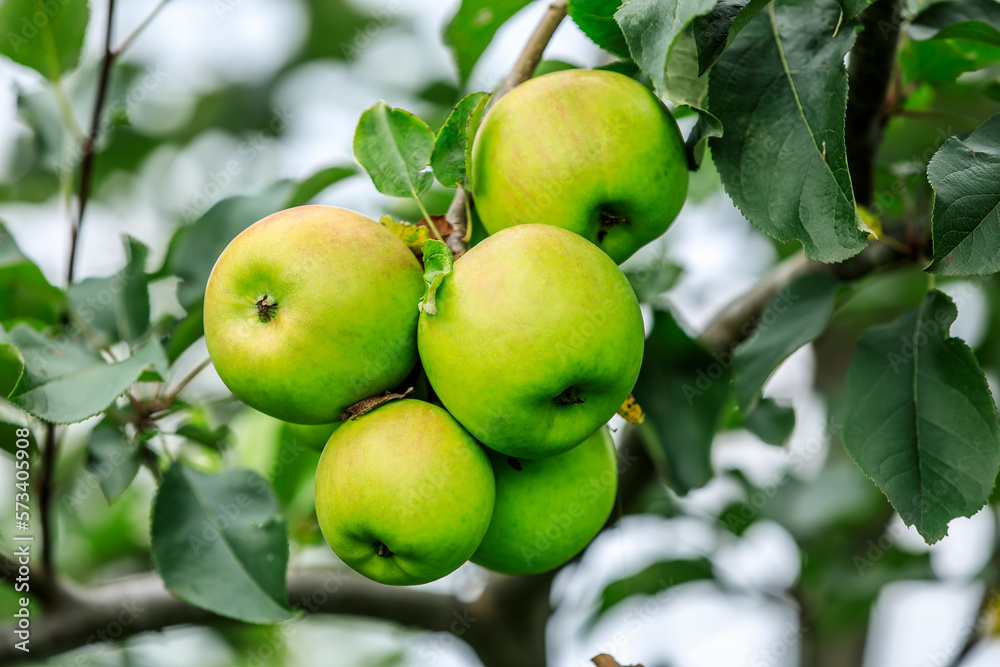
(265, 308)
(569, 397)
(608, 220)
(382, 550)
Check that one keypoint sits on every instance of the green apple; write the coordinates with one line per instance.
(536, 343)
(547, 510)
(403, 494)
(313, 436)
(310, 310)
(594, 152)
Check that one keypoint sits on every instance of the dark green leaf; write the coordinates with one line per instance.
(184, 333)
(195, 247)
(715, 31)
(394, 147)
(780, 91)
(117, 305)
(771, 422)
(11, 364)
(475, 118)
(683, 390)
(974, 20)
(655, 579)
(438, 262)
(112, 458)
(795, 315)
(596, 18)
(45, 35)
(684, 87)
(448, 158)
(220, 543)
(650, 28)
(919, 418)
(25, 294)
(854, 7)
(965, 224)
(315, 184)
(472, 28)
(66, 382)
(198, 430)
(13, 428)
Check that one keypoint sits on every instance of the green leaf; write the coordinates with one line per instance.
(195, 247)
(472, 28)
(315, 184)
(780, 91)
(294, 466)
(119, 304)
(394, 147)
(220, 543)
(795, 315)
(438, 262)
(25, 294)
(198, 430)
(715, 31)
(45, 35)
(475, 119)
(683, 390)
(184, 333)
(854, 7)
(974, 20)
(448, 157)
(654, 579)
(965, 223)
(944, 60)
(596, 18)
(112, 458)
(771, 422)
(919, 418)
(650, 28)
(66, 382)
(685, 87)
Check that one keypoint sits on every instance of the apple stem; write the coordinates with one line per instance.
(265, 309)
(569, 397)
(382, 550)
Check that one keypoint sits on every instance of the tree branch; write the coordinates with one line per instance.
(49, 455)
(871, 69)
(88, 148)
(523, 68)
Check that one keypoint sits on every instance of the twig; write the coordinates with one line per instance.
(88, 148)
(872, 60)
(49, 455)
(524, 67)
(139, 28)
(185, 381)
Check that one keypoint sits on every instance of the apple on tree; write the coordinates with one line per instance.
(310, 310)
(537, 340)
(403, 494)
(591, 151)
(547, 510)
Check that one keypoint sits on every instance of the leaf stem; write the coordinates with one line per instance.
(172, 396)
(428, 218)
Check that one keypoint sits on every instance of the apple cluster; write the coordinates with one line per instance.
(314, 314)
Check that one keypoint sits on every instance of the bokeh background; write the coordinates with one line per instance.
(277, 86)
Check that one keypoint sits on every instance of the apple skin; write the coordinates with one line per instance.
(529, 314)
(408, 477)
(548, 510)
(344, 324)
(563, 148)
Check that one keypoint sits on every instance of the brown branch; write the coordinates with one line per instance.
(523, 68)
(605, 660)
(872, 60)
(89, 147)
(46, 515)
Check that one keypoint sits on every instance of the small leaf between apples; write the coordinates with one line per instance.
(438, 262)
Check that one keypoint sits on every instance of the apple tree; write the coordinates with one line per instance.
(832, 403)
